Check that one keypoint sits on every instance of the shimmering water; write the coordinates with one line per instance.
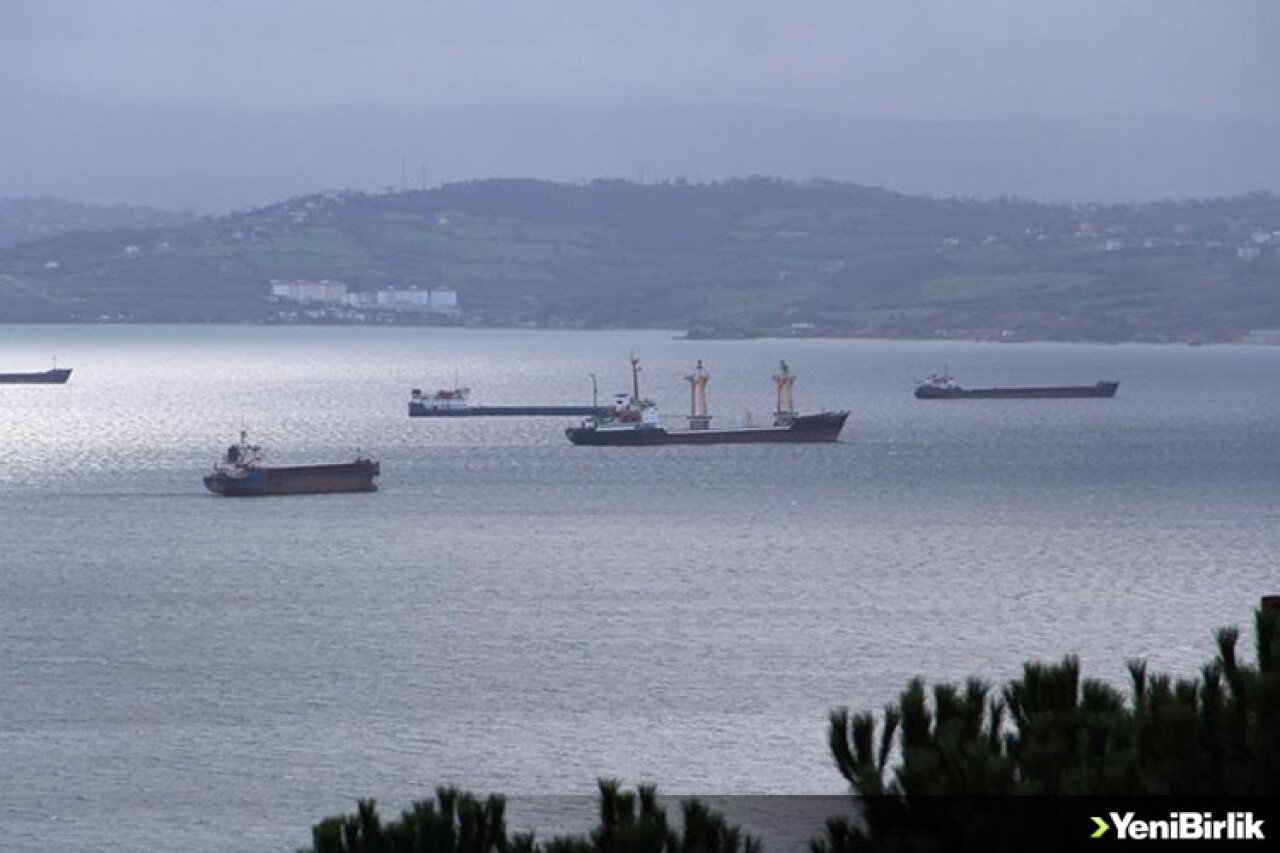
(515, 614)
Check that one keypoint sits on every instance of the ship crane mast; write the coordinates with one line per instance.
(699, 416)
(785, 380)
(635, 380)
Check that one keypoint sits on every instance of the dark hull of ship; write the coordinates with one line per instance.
(297, 480)
(824, 426)
(56, 376)
(418, 410)
(1101, 389)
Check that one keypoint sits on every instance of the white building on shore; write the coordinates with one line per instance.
(307, 290)
(414, 301)
(324, 292)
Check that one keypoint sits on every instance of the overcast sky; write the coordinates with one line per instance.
(946, 59)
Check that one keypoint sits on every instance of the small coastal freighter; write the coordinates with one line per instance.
(943, 386)
(242, 473)
(633, 421)
(456, 403)
(54, 376)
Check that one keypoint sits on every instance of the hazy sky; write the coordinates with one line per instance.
(950, 59)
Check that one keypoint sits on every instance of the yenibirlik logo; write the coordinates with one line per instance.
(1183, 826)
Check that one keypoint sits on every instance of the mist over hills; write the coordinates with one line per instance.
(23, 220)
(214, 159)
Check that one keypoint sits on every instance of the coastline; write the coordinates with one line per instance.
(1253, 337)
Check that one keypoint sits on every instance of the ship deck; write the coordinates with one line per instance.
(418, 410)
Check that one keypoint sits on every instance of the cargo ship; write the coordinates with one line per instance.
(943, 386)
(55, 376)
(633, 421)
(242, 472)
(456, 403)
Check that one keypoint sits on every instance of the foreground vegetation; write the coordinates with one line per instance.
(1049, 732)
(457, 822)
(750, 256)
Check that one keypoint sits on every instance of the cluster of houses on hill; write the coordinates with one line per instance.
(1259, 244)
(325, 299)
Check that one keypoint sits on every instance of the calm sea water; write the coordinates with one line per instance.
(511, 613)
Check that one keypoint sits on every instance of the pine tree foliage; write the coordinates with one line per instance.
(930, 772)
(458, 822)
(1052, 732)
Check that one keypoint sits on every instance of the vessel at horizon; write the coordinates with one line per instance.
(633, 421)
(943, 386)
(54, 376)
(242, 472)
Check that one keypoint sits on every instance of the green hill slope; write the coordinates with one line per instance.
(745, 256)
(27, 219)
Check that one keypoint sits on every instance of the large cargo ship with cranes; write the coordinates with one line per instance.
(633, 421)
(243, 472)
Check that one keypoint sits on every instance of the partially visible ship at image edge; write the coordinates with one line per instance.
(55, 376)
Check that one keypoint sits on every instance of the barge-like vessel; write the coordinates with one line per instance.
(456, 403)
(943, 386)
(55, 376)
(633, 421)
(242, 472)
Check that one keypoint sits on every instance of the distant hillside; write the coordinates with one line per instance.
(745, 256)
(26, 219)
(218, 158)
